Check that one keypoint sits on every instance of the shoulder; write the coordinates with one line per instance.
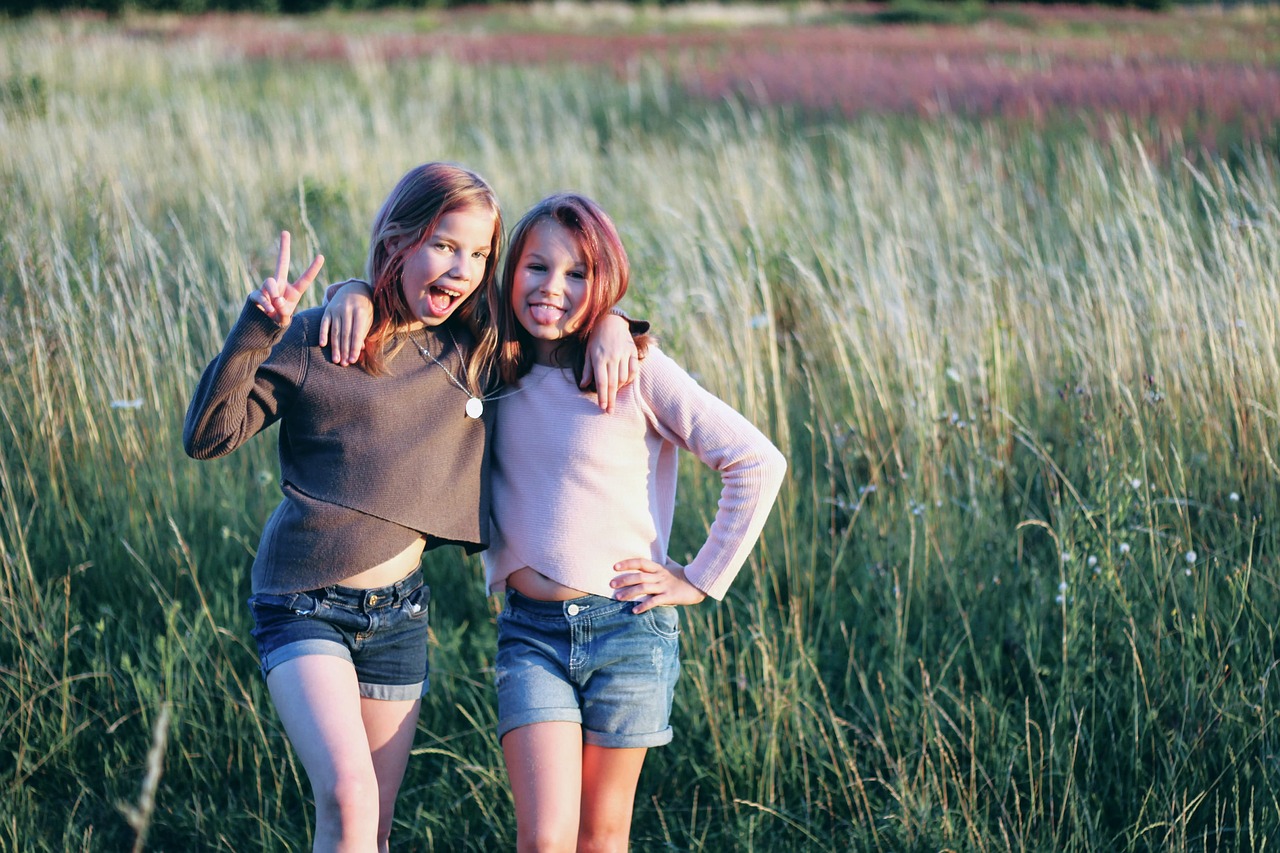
(659, 371)
(304, 329)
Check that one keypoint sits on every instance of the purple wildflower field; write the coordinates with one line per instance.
(1192, 73)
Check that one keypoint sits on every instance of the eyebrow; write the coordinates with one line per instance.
(531, 255)
(442, 234)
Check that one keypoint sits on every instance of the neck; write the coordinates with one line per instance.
(544, 352)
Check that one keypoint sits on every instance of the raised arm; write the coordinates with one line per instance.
(261, 364)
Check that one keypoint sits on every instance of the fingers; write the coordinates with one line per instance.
(309, 275)
(358, 331)
(265, 298)
(651, 585)
(282, 259)
(324, 329)
(630, 372)
(607, 387)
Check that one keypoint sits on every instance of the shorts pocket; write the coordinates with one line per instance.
(298, 603)
(416, 603)
(663, 621)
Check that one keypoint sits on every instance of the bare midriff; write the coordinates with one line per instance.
(388, 571)
(534, 584)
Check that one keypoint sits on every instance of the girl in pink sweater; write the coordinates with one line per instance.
(582, 507)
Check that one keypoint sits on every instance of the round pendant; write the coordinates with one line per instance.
(475, 408)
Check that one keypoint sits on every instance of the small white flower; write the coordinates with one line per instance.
(127, 404)
(1191, 557)
(1060, 599)
(1233, 497)
(1188, 573)
(265, 478)
(1066, 557)
(1092, 561)
(1124, 547)
(1062, 587)
(1136, 483)
(759, 321)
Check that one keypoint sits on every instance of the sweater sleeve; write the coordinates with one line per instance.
(247, 387)
(751, 468)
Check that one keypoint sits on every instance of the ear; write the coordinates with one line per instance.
(394, 242)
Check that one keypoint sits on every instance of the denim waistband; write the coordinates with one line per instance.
(382, 596)
(569, 607)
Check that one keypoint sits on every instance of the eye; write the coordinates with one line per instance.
(443, 247)
(534, 266)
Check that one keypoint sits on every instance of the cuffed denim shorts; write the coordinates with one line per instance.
(591, 661)
(382, 632)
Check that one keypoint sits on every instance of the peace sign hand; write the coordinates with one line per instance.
(278, 297)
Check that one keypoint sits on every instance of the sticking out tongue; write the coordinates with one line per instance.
(440, 301)
(545, 315)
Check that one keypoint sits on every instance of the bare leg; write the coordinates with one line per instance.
(609, 779)
(390, 727)
(544, 763)
(319, 703)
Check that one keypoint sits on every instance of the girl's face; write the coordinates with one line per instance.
(550, 287)
(448, 266)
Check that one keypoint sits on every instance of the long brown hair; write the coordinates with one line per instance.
(608, 274)
(424, 196)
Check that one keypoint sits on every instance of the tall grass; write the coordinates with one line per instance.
(1019, 592)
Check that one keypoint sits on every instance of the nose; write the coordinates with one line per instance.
(551, 284)
(461, 268)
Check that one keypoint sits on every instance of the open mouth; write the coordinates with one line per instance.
(442, 299)
(545, 314)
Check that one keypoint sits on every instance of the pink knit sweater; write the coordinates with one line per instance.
(575, 490)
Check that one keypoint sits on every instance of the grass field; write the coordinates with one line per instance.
(1020, 589)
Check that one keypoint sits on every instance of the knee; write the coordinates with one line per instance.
(349, 799)
(605, 837)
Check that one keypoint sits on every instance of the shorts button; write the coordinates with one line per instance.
(373, 599)
(573, 609)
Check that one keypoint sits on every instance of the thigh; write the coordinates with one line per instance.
(318, 700)
(609, 779)
(544, 764)
(389, 727)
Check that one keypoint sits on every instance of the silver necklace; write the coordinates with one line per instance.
(475, 405)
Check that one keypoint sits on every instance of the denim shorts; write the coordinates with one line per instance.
(382, 632)
(591, 661)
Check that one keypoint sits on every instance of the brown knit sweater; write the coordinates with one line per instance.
(368, 464)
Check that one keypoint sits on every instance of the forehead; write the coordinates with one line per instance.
(472, 224)
(549, 238)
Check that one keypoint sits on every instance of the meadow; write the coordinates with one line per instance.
(1020, 591)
